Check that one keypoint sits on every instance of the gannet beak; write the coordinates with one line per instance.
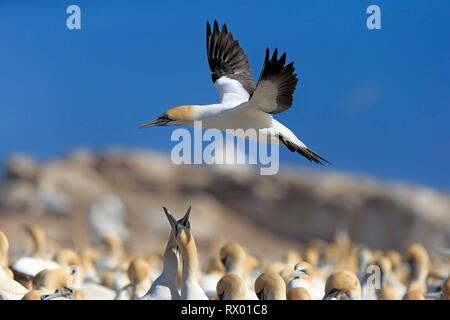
(173, 222)
(185, 220)
(162, 120)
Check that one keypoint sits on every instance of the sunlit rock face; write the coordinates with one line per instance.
(71, 196)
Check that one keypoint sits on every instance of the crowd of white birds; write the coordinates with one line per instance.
(338, 270)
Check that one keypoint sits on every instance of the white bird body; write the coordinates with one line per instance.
(10, 289)
(31, 266)
(209, 282)
(165, 287)
(94, 291)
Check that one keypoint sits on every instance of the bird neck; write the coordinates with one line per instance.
(190, 261)
(200, 112)
(170, 264)
(236, 268)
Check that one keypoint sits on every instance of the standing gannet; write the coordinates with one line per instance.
(138, 273)
(418, 261)
(190, 286)
(270, 286)
(29, 266)
(56, 283)
(165, 286)
(303, 277)
(234, 260)
(89, 257)
(231, 287)
(233, 257)
(342, 285)
(244, 104)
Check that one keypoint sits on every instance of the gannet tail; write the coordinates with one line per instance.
(303, 150)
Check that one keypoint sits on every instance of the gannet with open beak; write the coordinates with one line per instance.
(165, 286)
(190, 285)
(29, 266)
(244, 104)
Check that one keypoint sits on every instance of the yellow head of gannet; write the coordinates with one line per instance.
(298, 294)
(138, 271)
(114, 251)
(270, 286)
(311, 255)
(418, 261)
(181, 115)
(89, 257)
(231, 287)
(190, 286)
(4, 255)
(165, 286)
(414, 295)
(233, 258)
(342, 285)
(67, 257)
(292, 257)
(55, 283)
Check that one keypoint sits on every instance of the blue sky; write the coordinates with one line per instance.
(373, 102)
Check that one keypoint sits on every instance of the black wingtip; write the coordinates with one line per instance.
(275, 54)
(306, 152)
(317, 158)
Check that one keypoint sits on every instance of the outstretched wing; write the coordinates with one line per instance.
(229, 65)
(276, 85)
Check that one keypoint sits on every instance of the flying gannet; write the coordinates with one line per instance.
(244, 103)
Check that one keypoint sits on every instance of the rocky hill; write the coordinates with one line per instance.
(82, 196)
